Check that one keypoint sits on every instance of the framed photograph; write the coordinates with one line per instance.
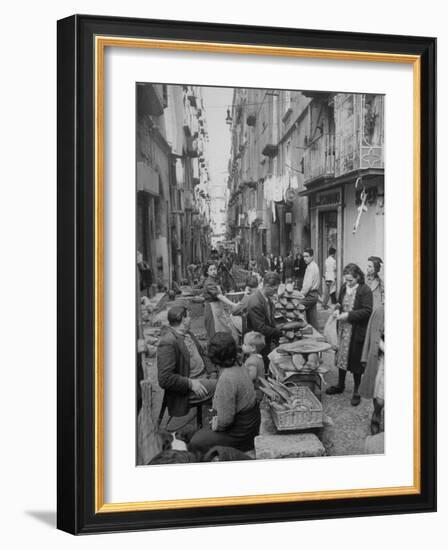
(246, 274)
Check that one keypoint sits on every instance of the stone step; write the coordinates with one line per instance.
(288, 446)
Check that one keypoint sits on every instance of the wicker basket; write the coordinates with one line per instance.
(299, 420)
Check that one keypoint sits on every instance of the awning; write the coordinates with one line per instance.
(328, 183)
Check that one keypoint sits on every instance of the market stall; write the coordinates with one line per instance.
(294, 386)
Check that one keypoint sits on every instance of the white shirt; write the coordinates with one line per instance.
(311, 281)
(330, 269)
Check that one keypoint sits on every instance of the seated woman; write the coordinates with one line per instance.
(237, 415)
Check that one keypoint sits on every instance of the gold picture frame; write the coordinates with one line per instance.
(95, 35)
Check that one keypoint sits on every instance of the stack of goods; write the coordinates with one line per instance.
(290, 314)
(301, 357)
(292, 407)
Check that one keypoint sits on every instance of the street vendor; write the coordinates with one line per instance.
(216, 318)
(309, 293)
(260, 313)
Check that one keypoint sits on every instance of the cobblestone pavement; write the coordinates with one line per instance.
(348, 428)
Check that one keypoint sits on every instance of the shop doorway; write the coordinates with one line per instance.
(328, 231)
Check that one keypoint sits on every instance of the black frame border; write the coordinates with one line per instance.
(76, 262)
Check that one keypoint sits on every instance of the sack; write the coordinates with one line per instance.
(331, 331)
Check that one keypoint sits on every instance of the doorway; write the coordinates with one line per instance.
(328, 232)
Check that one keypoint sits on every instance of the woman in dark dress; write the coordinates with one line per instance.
(299, 270)
(352, 312)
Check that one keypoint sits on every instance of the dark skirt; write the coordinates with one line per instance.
(240, 434)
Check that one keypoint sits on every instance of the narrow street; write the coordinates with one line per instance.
(235, 183)
(345, 428)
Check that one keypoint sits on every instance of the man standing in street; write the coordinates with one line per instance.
(260, 313)
(263, 265)
(184, 371)
(310, 288)
(288, 268)
(330, 278)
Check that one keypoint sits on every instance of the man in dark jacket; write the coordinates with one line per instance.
(260, 313)
(184, 371)
(288, 267)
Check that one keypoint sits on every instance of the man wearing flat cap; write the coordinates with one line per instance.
(184, 371)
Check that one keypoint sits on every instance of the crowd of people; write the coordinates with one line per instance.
(228, 375)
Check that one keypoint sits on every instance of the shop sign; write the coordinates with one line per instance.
(325, 199)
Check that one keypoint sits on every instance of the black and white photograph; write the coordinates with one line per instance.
(260, 273)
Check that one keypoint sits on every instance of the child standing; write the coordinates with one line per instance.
(253, 344)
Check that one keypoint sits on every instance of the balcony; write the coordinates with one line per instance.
(251, 118)
(319, 158)
(192, 148)
(188, 200)
(359, 121)
(270, 150)
(192, 99)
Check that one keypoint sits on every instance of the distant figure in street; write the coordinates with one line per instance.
(352, 313)
(299, 269)
(278, 266)
(288, 272)
(271, 262)
(281, 268)
(260, 313)
(237, 418)
(374, 280)
(224, 276)
(216, 318)
(253, 270)
(330, 278)
(263, 265)
(309, 293)
(184, 370)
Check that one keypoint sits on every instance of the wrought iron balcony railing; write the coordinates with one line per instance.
(319, 158)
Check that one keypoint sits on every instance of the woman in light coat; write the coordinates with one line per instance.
(372, 384)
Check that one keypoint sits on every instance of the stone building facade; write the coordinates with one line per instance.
(173, 210)
(303, 167)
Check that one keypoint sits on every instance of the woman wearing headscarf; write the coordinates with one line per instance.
(373, 279)
(352, 313)
(216, 318)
